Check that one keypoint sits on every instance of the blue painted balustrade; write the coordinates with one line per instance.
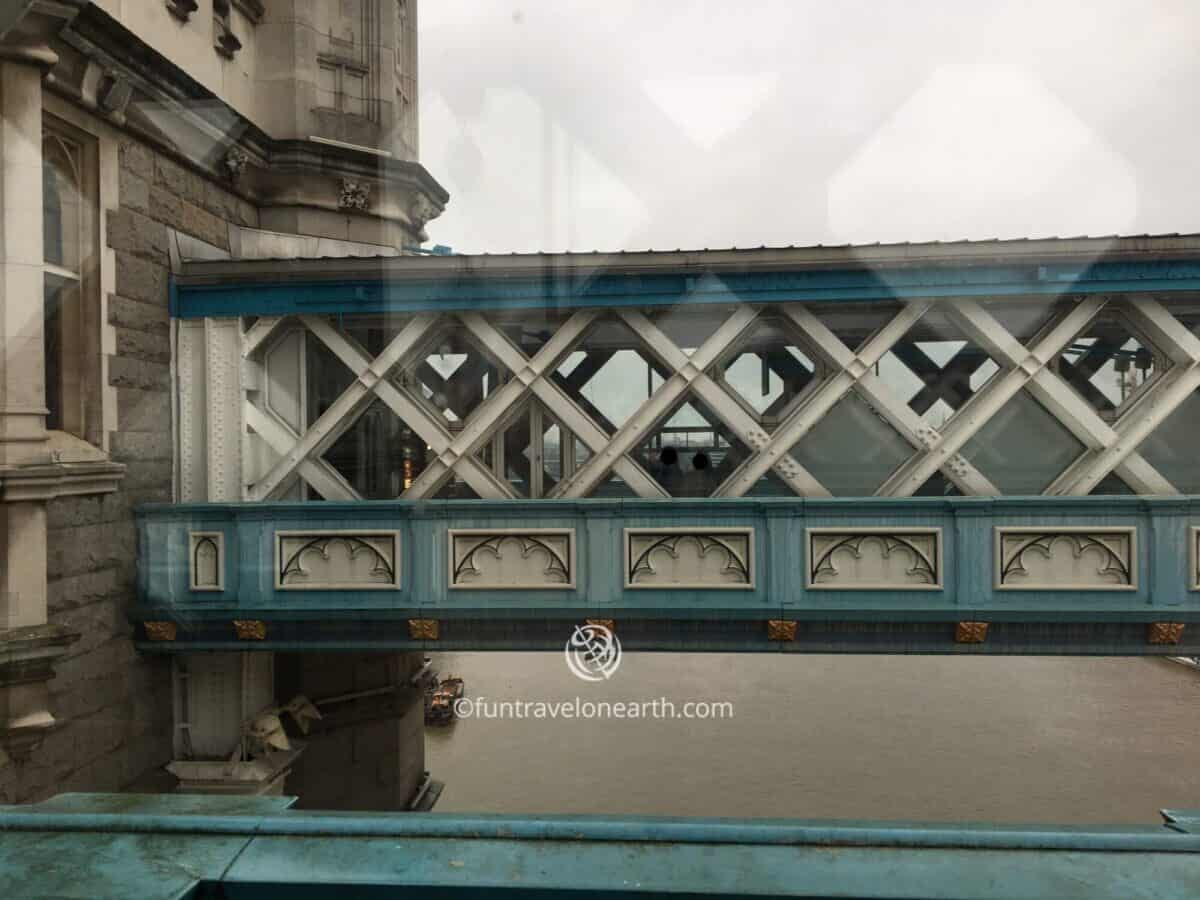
(1122, 575)
(139, 847)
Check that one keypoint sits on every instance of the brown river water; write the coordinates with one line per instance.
(1000, 739)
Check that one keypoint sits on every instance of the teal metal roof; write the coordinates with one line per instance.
(850, 273)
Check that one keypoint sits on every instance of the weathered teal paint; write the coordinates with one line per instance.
(176, 846)
(614, 290)
(1162, 593)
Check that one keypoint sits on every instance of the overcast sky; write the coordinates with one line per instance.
(613, 124)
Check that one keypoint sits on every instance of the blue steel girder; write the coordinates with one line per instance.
(196, 298)
(984, 563)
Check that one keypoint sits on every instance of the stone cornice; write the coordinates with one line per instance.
(26, 653)
(27, 27)
(96, 49)
(61, 479)
(27, 657)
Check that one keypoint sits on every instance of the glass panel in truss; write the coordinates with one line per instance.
(453, 377)
(935, 368)
(614, 487)
(1022, 448)
(770, 369)
(557, 445)
(938, 485)
(689, 326)
(372, 333)
(1108, 364)
(691, 453)
(530, 330)
(770, 485)
(455, 489)
(854, 323)
(1024, 319)
(851, 451)
(1112, 484)
(1172, 446)
(518, 470)
(326, 376)
(609, 376)
(371, 454)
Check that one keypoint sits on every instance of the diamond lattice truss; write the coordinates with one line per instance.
(454, 448)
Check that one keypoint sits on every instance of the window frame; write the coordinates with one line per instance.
(80, 365)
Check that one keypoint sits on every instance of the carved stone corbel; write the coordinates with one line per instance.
(113, 96)
(182, 9)
(225, 42)
(421, 211)
(235, 162)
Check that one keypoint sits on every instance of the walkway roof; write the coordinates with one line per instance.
(1079, 250)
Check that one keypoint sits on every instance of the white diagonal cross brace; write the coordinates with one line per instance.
(370, 381)
(1063, 401)
(723, 405)
(1025, 364)
(823, 397)
(427, 425)
(532, 376)
(281, 438)
(891, 407)
(1117, 450)
(256, 334)
(656, 407)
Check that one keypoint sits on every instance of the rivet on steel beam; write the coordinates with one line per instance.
(610, 624)
(250, 629)
(1164, 632)
(781, 630)
(970, 632)
(160, 631)
(423, 629)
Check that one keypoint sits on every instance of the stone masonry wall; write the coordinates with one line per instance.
(114, 704)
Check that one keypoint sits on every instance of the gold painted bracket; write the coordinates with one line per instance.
(423, 629)
(250, 629)
(781, 630)
(160, 631)
(610, 624)
(970, 632)
(1164, 632)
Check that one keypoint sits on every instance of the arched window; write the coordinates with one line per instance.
(68, 235)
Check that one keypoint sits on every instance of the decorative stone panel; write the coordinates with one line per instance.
(337, 560)
(206, 560)
(693, 558)
(1066, 559)
(874, 559)
(512, 558)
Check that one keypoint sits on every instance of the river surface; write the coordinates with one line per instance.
(1016, 739)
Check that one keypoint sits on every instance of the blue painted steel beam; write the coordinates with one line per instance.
(636, 290)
